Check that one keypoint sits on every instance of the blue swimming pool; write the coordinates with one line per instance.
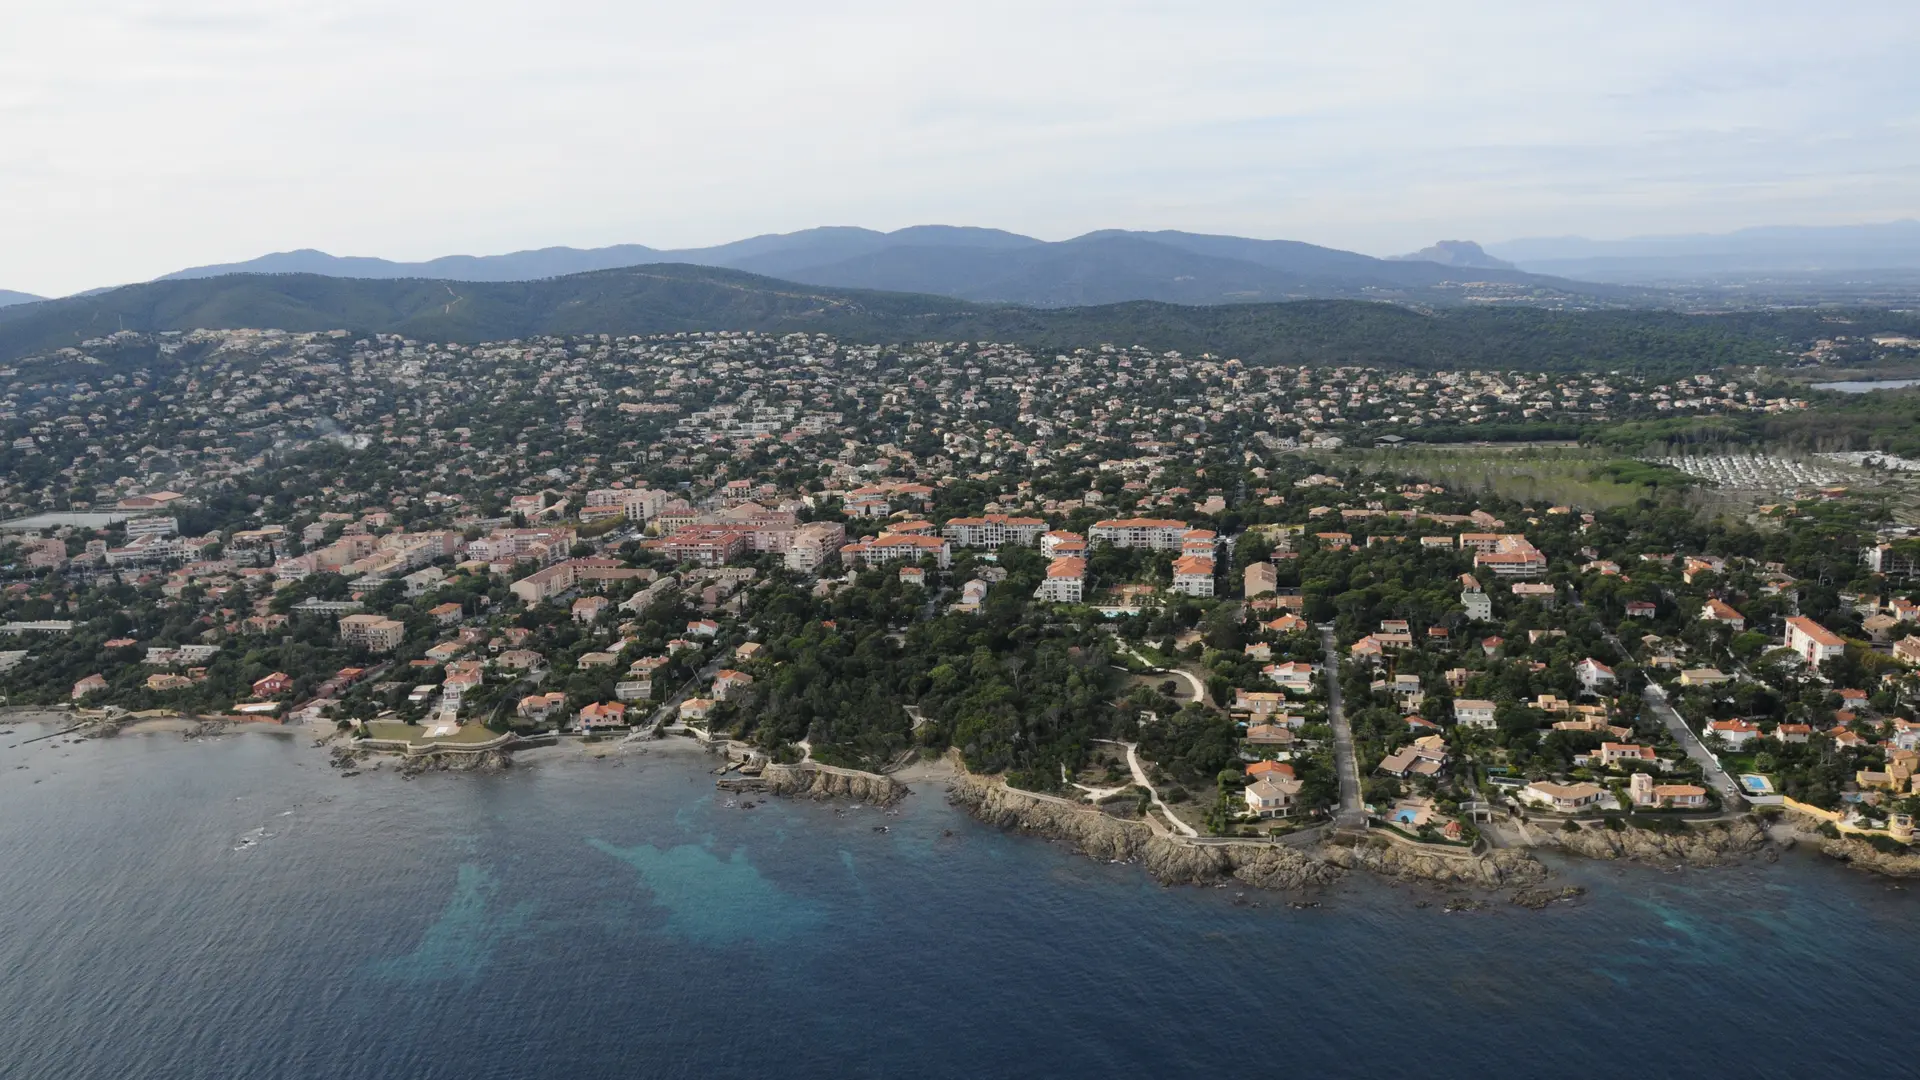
(1756, 784)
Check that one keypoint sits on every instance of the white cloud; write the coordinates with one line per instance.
(142, 137)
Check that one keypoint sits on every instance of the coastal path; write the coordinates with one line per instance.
(1193, 681)
(1140, 778)
(1351, 815)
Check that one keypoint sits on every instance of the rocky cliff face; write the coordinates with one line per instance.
(1702, 845)
(1862, 855)
(1174, 862)
(1494, 870)
(1095, 834)
(814, 781)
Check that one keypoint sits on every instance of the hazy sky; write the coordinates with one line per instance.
(141, 137)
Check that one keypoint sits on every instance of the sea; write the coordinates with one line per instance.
(234, 907)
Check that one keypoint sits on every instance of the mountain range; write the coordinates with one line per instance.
(993, 266)
(668, 298)
(8, 298)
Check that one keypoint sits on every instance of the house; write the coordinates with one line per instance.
(1793, 733)
(1642, 609)
(1278, 769)
(1259, 650)
(1193, 575)
(1259, 579)
(728, 681)
(1814, 643)
(272, 685)
(1491, 645)
(1269, 735)
(1295, 675)
(1286, 624)
(1409, 761)
(1473, 713)
(604, 714)
(1907, 650)
(1534, 590)
(705, 628)
(1368, 649)
(588, 608)
(1718, 611)
(696, 708)
(1260, 703)
(1273, 796)
(1645, 792)
(88, 685)
(1562, 798)
(446, 614)
(748, 650)
(1614, 753)
(633, 690)
(1595, 677)
(1735, 733)
(1703, 677)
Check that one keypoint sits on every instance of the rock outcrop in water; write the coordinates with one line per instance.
(812, 780)
(1864, 856)
(1714, 844)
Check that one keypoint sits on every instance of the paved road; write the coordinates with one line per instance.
(1351, 813)
(1655, 698)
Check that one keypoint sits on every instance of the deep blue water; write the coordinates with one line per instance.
(582, 919)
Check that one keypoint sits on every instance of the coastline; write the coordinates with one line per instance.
(1169, 858)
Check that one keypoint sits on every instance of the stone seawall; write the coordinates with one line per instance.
(812, 780)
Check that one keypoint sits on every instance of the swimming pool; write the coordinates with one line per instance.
(1756, 784)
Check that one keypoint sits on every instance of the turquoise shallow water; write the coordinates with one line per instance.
(580, 919)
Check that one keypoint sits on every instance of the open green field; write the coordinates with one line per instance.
(1589, 479)
(469, 734)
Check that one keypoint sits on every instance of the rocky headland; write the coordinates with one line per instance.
(812, 780)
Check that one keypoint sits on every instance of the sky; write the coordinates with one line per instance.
(138, 138)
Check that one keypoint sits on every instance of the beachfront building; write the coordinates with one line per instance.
(1273, 796)
(1645, 792)
(1562, 798)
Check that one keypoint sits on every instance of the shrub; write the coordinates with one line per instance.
(1614, 824)
(1570, 827)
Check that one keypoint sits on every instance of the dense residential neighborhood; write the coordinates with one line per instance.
(860, 553)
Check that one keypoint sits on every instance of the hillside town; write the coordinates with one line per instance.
(1121, 576)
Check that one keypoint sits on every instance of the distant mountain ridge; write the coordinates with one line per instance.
(992, 265)
(1457, 253)
(1809, 250)
(8, 298)
(676, 297)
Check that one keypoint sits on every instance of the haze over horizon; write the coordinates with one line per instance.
(150, 138)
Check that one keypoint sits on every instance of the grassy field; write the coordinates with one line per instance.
(1555, 476)
(414, 733)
